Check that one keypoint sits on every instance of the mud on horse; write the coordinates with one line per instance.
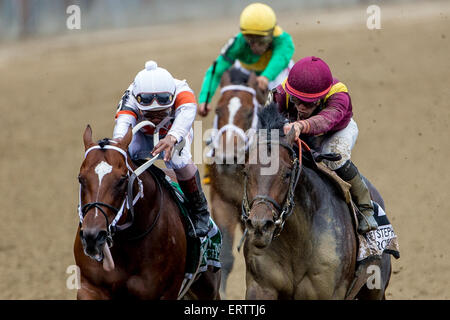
(236, 115)
(301, 241)
(131, 242)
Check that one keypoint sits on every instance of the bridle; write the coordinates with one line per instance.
(112, 227)
(247, 138)
(281, 213)
(128, 201)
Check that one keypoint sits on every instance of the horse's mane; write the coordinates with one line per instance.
(103, 142)
(270, 118)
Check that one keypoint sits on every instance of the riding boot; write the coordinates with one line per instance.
(198, 206)
(361, 195)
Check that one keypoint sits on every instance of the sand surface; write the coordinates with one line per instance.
(398, 78)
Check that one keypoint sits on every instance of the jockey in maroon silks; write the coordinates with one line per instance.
(319, 108)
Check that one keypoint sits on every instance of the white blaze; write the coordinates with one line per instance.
(233, 106)
(102, 169)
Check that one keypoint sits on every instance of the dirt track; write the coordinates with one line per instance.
(397, 76)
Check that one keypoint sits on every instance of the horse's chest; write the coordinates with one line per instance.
(123, 284)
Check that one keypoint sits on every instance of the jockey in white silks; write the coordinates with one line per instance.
(171, 105)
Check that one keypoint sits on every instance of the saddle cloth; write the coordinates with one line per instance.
(201, 252)
(373, 243)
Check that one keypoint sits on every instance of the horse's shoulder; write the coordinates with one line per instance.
(319, 171)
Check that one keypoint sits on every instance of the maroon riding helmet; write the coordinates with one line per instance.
(309, 79)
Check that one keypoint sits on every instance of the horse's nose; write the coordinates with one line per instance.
(93, 239)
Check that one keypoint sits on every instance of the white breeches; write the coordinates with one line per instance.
(341, 142)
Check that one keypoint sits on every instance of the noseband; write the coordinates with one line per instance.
(282, 212)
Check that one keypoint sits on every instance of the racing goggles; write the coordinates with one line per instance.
(309, 105)
(147, 98)
(258, 40)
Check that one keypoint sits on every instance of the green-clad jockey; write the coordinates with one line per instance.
(261, 46)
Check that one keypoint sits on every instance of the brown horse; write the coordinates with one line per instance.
(131, 242)
(236, 113)
(301, 241)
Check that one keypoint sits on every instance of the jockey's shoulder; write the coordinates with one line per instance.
(182, 85)
(184, 94)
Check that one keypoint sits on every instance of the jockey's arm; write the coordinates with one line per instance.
(126, 116)
(213, 80)
(123, 122)
(282, 52)
(184, 118)
(337, 107)
(224, 61)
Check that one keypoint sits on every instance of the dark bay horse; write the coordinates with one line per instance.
(236, 113)
(301, 241)
(139, 254)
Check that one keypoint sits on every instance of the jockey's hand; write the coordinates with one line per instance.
(263, 83)
(297, 127)
(203, 109)
(166, 144)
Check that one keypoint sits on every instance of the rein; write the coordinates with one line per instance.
(282, 212)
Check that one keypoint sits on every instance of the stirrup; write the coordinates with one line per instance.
(370, 226)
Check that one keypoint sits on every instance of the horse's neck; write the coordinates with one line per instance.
(151, 192)
(309, 197)
(146, 207)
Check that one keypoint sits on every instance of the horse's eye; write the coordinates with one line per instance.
(122, 181)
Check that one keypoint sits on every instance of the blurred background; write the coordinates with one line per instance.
(55, 80)
(29, 18)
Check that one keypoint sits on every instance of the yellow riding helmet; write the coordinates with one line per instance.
(258, 19)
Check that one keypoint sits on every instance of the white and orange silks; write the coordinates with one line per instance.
(178, 124)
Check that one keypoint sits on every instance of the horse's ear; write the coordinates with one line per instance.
(291, 136)
(252, 82)
(226, 79)
(261, 96)
(87, 137)
(125, 141)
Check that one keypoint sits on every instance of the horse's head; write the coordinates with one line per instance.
(269, 198)
(103, 182)
(235, 116)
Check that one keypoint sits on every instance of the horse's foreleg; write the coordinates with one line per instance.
(207, 286)
(226, 217)
(90, 292)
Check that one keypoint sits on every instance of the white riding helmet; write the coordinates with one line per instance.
(154, 88)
